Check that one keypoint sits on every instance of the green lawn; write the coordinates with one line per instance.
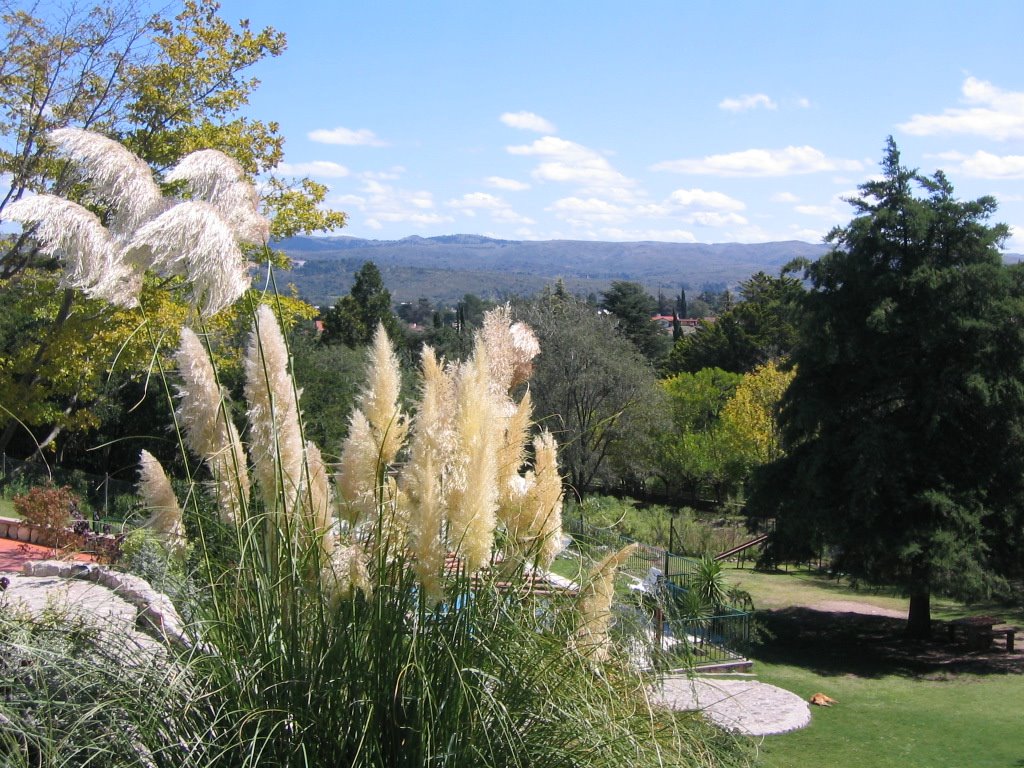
(910, 722)
(913, 706)
(7, 508)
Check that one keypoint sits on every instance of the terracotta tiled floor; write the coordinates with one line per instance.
(14, 554)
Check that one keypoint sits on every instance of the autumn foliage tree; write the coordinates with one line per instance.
(164, 87)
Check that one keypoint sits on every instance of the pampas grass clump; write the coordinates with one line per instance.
(392, 619)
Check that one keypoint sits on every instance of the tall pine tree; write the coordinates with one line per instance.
(904, 425)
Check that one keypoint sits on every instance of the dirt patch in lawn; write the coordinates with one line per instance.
(841, 637)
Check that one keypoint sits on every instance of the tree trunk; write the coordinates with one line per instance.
(919, 620)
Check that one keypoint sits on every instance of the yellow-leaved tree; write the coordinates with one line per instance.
(749, 417)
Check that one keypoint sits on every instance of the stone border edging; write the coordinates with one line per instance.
(156, 612)
(18, 530)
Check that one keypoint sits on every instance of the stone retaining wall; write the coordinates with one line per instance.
(156, 612)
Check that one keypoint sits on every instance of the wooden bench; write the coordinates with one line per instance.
(1008, 633)
(980, 631)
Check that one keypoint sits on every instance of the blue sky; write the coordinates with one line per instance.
(680, 121)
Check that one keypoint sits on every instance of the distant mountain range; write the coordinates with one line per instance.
(448, 267)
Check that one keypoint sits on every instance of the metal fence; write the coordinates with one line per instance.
(714, 639)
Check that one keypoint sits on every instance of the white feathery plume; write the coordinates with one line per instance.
(545, 498)
(473, 491)
(511, 348)
(423, 477)
(316, 501)
(377, 430)
(379, 400)
(512, 448)
(525, 347)
(72, 233)
(192, 240)
(595, 605)
(212, 176)
(209, 432)
(358, 467)
(158, 496)
(345, 573)
(118, 177)
(275, 437)
(531, 506)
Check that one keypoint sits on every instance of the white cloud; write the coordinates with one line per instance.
(808, 235)
(803, 103)
(569, 162)
(747, 102)
(998, 114)
(475, 200)
(318, 169)
(761, 162)
(715, 219)
(528, 121)
(498, 208)
(381, 204)
(1015, 242)
(824, 211)
(785, 197)
(584, 211)
(391, 174)
(985, 165)
(362, 137)
(641, 235)
(699, 198)
(510, 185)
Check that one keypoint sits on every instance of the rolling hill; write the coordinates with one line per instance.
(446, 268)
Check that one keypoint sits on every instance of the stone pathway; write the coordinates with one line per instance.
(743, 705)
(75, 600)
(113, 601)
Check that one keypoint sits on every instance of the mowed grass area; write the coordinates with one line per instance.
(913, 705)
(966, 720)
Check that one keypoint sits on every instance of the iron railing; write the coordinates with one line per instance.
(685, 641)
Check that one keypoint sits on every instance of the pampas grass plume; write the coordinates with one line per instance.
(215, 178)
(68, 231)
(116, 176)
(595, 605)
(316, 502)
(423, 477)
(474, 488)
(275, 437)
(158, 496)
(379, 401)
(546, 498)
(209, 432)
(192, 240)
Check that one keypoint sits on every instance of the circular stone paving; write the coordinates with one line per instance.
(742, 705)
